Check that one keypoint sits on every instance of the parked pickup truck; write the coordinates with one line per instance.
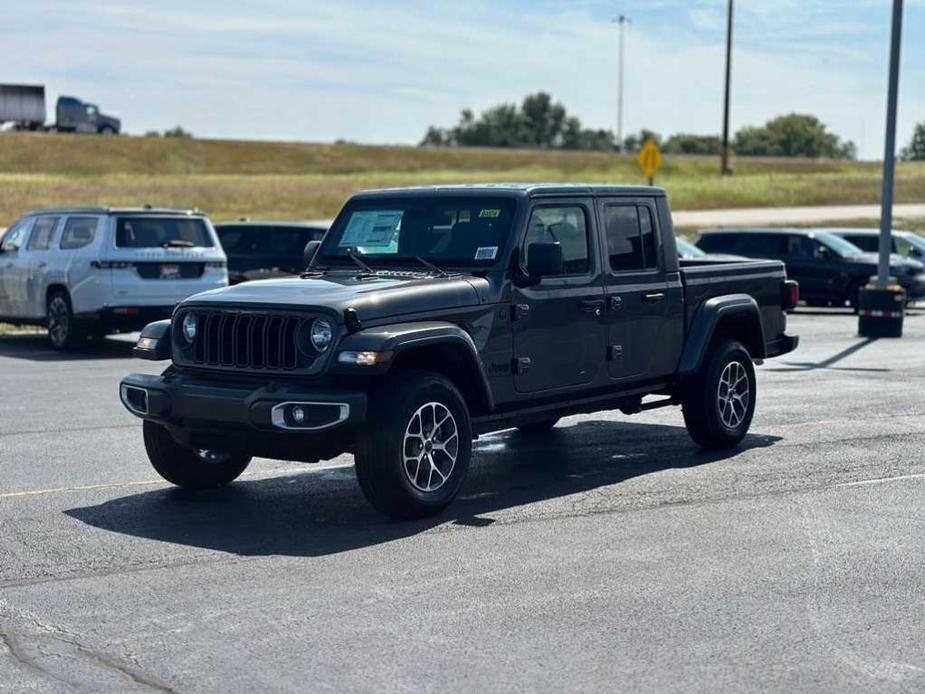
(430, 316)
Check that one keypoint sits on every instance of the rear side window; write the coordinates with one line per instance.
(42, 233)
(238, 240)
(566, 226)
(162, 232)
(78, 232)
(870, 244)
(630, 237)
(285, 241)
(716, 243)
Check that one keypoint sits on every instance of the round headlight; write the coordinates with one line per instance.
(321, 334)
(189, 326)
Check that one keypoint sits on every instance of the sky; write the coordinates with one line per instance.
(382, 72)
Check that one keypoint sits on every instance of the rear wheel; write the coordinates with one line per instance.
(413, 455)
(63, 331)
(719, 402)
(188, 468)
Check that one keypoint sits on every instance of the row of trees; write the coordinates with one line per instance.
(537, 122)
(542, 123)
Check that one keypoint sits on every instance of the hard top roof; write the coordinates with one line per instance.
(524, 190)
(124, 211)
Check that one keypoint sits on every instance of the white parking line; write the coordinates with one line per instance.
(881, 480)
(267, 474)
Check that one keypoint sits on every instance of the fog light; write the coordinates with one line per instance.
(298, 415)
(364, 358)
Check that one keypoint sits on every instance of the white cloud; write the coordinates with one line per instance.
(382, 73)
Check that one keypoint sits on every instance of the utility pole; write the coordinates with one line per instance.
(881, 303)
(622, 20)
(724, 151)
(889, 155)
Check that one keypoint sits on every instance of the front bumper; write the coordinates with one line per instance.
(258, 417)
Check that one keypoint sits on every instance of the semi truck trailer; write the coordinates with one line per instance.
(23, 105)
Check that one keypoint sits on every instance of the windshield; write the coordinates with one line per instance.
(914, 240)
(160, 232)
(688, 250)
(846, 249)
(467, 231)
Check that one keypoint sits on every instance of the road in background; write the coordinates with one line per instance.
(609, 554)
(756, 216)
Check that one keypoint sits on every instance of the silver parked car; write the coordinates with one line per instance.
(91, 271)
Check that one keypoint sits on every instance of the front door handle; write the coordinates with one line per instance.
(654, 297)
(592, 306)
(42, 264)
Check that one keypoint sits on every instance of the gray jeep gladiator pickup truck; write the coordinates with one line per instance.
(429, 316)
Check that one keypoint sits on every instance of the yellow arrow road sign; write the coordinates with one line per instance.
(649, 159)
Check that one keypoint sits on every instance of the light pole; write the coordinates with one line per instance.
(622, 20)
(724, 152)
(881, 303)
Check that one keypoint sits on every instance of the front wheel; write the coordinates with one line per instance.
(413, 455)
(188, 468)
(719, 402)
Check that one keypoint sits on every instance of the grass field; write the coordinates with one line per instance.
(273, 180)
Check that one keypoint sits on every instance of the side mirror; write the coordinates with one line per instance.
(311, 248)
(825, 252)
(544, 259)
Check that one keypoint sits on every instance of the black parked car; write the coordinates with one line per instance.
(830, 269)
(261, 250)
(903, 242)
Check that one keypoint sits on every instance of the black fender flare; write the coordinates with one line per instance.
(404, 337)
(708, 317)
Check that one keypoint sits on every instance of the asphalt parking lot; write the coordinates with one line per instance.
(608, 555)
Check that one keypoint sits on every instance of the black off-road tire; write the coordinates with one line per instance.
(714, 417)
(186, 467)
(389, 445)
(534, 428)
(64, 332)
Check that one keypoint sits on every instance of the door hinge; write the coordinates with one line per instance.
(614, 352)
(521, 365)
(520, 311)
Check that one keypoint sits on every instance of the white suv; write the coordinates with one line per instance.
(87, 272)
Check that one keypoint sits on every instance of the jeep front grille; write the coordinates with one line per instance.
(247, 341)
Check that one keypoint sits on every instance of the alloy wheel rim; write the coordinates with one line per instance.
(58, 321)
(430, 447)
(732, 394)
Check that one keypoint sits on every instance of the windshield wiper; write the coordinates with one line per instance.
(359, 261)
(177, 243)
(430, 266)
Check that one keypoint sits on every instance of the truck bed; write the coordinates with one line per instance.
(761, 279)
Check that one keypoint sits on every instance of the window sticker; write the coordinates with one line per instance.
(490, 213)
(375, 229)
(486, 252)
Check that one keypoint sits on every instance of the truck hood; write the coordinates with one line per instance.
(371, 297)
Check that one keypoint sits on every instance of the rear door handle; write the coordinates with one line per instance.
(654, 297)
(592, 305)
(42, 264)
